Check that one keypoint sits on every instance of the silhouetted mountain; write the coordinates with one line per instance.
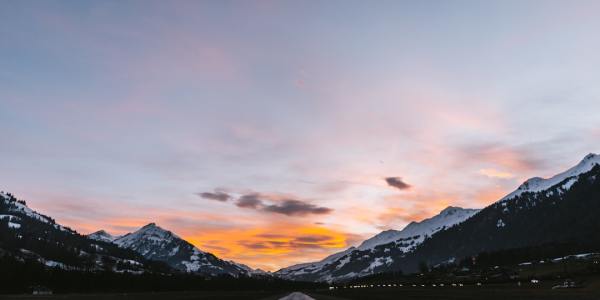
(405, 241)
(27, 235)
(156, 243)
(103, 236)
(561, 210)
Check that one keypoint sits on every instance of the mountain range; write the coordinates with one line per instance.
(405, 240)
(27, 235)
(158, 244)
(561, 210)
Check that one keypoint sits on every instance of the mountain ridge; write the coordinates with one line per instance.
(34, 237)
(536, 184)
(158, 244)
(569, 197)
(565, 212)
(406, 239)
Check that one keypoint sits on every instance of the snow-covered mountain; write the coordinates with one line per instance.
(538, 184)
(156, 243)
(102, 236)
(418, 231)
(29, 236)
(404, 240)
(17, 208)
(131, 252)
(559, 213)
(561, 210)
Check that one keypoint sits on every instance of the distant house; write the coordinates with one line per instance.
(40, 290)
(568, 283)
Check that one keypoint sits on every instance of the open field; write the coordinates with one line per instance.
(500, 292)
(485, 293)
(589, 291)
(216, 295)
(491, 292)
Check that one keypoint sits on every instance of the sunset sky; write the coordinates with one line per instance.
(278, 132)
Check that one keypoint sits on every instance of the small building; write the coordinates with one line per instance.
(40, 290)
(568, 283)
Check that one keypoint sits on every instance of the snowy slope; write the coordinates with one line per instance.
(156, 243)
(404, 240)
(560, 210)
(293, 272)
(150, 241)
(20, 208)
(537, 184)
(448, 217)
(102, 236)
(38, 238)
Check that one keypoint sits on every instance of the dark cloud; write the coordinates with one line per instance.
(290, 242)
(397, 183)
(271, 236)
(313, 238)
(254, 245)
(296, 208)
(250, 201)
(278, 244)
(218, 196)
(211, 246)
(289, 207)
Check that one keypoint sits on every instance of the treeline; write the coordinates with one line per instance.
(503, 262)
(20, 277)
(34, 239)
(566, 220)
(528, 254)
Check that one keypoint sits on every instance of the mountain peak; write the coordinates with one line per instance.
(102, 235)
(99, 233)
(150, 225)
(590, 156)
(156, 243)
(152, 228)
(451, 210)
(404, 241)
(448, 217)
(538, 184)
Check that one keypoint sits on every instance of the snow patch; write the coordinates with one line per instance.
(500, 223)
(14, 225)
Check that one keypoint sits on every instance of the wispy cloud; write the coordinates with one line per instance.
(493, 173)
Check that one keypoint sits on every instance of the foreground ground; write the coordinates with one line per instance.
(217, 295)
(490, 292)
(447, 293)
(487, 293)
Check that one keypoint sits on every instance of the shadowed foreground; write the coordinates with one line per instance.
(491, 292)
(216, 295)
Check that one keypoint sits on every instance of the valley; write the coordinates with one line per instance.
(459, 253)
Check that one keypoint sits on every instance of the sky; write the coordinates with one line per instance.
(278, 132)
